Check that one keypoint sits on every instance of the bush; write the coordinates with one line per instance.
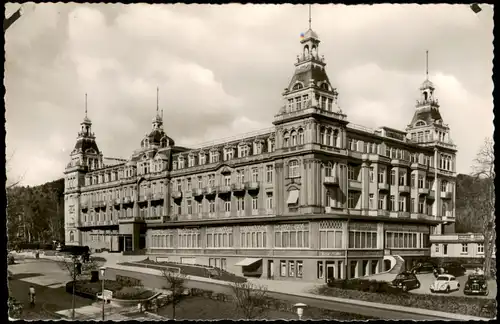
(15, 308)
(128, 281)
(365, 285)
(132, 293)
(11, 259)
(89, 289)
(451, 304)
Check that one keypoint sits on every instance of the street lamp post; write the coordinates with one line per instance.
(103, 272)
(300, 309)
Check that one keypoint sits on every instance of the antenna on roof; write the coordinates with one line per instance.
(309, 16)
(427, 64)
(157, 99)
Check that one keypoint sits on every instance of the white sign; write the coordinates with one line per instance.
(108, 294)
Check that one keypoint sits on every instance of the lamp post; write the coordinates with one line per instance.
(102, 272)
(300, 309)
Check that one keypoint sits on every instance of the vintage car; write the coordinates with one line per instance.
(453, 268)
(476, 284)
(406, 281)
(423, 267)
(445, 283)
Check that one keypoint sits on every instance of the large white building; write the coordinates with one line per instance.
(312, 197)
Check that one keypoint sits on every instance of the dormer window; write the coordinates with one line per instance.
(181, 162)
(257, 148)
(270, 145)
(191, 161)
(420, 123)
(202, 158)
(214, 157)
(298, 86)
(324, 86)
(228, 153)
(243, 150)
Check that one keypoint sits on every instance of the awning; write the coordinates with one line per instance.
(247, 262)
(293, 197)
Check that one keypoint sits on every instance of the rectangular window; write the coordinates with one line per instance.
(371, 199)
(227, 205)
(321, 273)
(465, 248)
(413, 181)
(393, 177)
(402, 206)
(269, 174)
(381, 176)
(402, 179)
(299, 269)
(255, 175)
(283, 268)
(372, 174)
(393, 203)
(254, 203)
(269, 200)
(420, 181)
(381, 202)
(291, 268)
(437, 248)
(350, 172)
(277, 239)
(412, 206)
(189, 207)
(350, 200)
(445, 249)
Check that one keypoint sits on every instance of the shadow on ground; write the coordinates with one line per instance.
(20, 276)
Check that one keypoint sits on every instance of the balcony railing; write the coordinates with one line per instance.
(431, 195)
(198, 192)
(117, 201)
(382, 212)
(157, 196)
(355, 185)
(403, 214)
(127, 200)
(404, 189)
(239, 187)
(177, 194)
(84, 205)
(383, 186)
(210, 190)
(253, 185)
(143, 198)
(446, 195)
(423, 191)
(331, 180)
(225, 189)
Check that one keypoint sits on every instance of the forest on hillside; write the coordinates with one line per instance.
(35, 214)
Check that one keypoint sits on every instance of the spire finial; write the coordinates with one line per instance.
(309, 16)
(427, 64)
(162, 114)
(157, 99)
(85, 104)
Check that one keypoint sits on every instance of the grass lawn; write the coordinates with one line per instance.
(192, 308)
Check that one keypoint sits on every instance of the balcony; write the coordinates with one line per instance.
(84, 205)
(446, 195)
(383, 186)
(117, 201)
(210, 190)
(423, 191)
(177, 194)
(253, 185)
(420, 166)
(400, 162)
(225, 189)
(269, 211)
(431, 195)
(404, 189)
(383, 213)
(143, 198)
(127, 200)
(331, 181)
(355, 185)
(198, 192)
(157, 196)
(403, 214)
(239, 187)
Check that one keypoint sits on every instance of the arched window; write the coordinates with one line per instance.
(328, 137)
(297, 86)
(301, 136)
(420, 123)
(286, 139)
(322, 135)
(306, 51)
(71, 236)
(324, 86)
(444, 208)
(335, 137)
(293, 136)
(293, 169)
(426, 95)
(328, 170)
(314, 51)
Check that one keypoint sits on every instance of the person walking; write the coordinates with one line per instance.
(31, 294)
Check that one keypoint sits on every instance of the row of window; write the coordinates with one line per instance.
(226, 180)
(129, 191)
(405, 240)
(291, 239)
(253, 239)
(464, 246)
(229, 153)
(225, 204)
(219, 240)
(291, 268)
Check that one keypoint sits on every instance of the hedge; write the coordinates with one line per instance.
(133, 293)
(480, 307)
(88, 289)
(366, 285)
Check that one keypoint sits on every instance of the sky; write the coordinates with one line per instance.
(221, 70)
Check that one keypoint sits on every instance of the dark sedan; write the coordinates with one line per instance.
(476, 284)
(406, 281)
(455, 269)
(423, 267)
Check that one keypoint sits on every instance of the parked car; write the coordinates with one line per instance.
(406, 281)
(423, 267)
(445, 283)
(476, 284)
(453, 268)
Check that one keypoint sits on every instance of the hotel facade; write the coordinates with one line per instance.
(313, 197)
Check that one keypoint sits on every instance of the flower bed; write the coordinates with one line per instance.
(133, 293)
(190, 270)
(88, 289)
(480, 307)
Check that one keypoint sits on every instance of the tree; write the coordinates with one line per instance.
(176, 285)
(481, 200)
(71, 267)
(250, 299)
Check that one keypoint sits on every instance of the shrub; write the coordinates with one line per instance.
(132, 293)
(128, 281)
(15, 308)
(89, 289)
(11, 259)
(450, 304)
